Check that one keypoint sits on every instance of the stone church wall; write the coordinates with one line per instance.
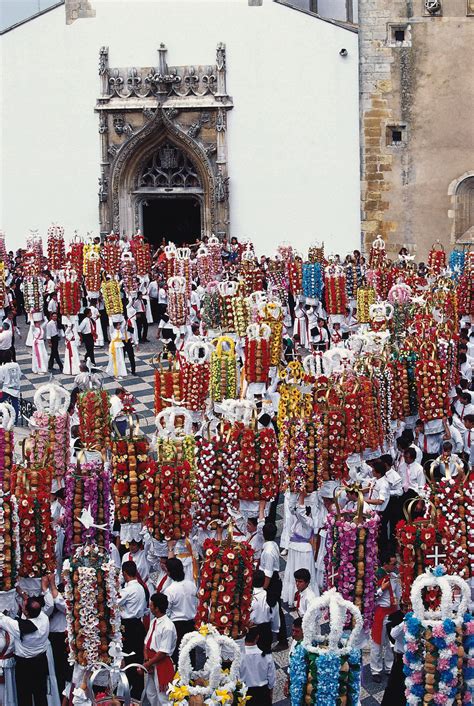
(293, 157)
(417, 127)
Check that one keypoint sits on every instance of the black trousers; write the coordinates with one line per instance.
(88, 339)
(394, 694)
(182, 629)
(31, 677)
(54, 355)
(142, 326)
(133, 641)
(154, 309)
(104, 321)
(390, 516)
(161, 311)
(260, 695)
(62, 667)
(128, 349)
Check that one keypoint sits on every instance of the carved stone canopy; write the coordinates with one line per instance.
(163, 133)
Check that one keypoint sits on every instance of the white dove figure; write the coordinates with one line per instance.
(86, 519)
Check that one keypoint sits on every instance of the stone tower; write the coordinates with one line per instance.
(417, 122)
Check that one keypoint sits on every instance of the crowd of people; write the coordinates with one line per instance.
(161, 582)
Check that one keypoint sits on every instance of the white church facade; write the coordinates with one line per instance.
(182, 118)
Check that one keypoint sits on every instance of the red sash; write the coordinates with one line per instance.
(379, 617)
(93, 330)
(165, 669)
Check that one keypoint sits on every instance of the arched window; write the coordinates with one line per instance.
(464, 209)
(169, 168)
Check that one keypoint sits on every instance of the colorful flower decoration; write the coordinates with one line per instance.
(9, 541)
(94, 419)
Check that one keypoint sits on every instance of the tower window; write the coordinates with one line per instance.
(399, 35)
(396, 135)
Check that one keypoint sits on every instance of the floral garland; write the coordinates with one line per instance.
(351, 559)
(195, 384)
(37, 536)
(87, 487)
(2, 283)
(332, 444)
(433, 399)
(217, 464)
(335, 291)
(51, 436)
(227, 312)
(456, 263)
(213, 683)
(31, 478)
(179, 450)
(365, 298)
(240, 314)
(215, 250)
(295, 276)
(312, 282)
(299, 455)
(400, 390)
(76, 257)
(252, 277)
(128, 271)
(87, 250)
(277, 280)
(211, 309)
(33, 288)
(142, 254)
(273, 317)
(112, 300)
(111, 255)
(225, 594)
(353, 280)
(130, 467)
(92, 613)
(436, 260)
(223, 384)
(453, 502)
(93, 407)
(258, 466)
(9, 542)
(56, 248)
(416, 541)
(177, 304)
(6, 458)
(69, 296)
(166, 506)
(203, 264)
(92, 271)
(257, 359)
(168, 383)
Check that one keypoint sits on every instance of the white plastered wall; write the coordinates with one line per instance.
(293, 137)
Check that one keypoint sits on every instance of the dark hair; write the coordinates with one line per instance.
(469, 418)
(447, 446)
(269, 532)
(466, 396)
(119, 390)
(129, 568)
(160, 601)
(298, 622)
(386, 555)
(411, 452)
(379, 467)
(175, 569)
(258, 578)
(387, 459)
(408, 434)
(403, 443)
(253, 521)
(302, 575)
(33, 606)
(253, 634)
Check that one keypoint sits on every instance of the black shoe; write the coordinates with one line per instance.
(146, 340)
(377, 678)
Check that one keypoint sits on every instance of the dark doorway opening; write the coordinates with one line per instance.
(175, 219)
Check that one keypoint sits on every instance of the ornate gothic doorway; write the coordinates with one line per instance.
(174, 218)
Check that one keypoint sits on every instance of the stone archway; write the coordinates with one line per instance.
(461, 191)
(143, 109)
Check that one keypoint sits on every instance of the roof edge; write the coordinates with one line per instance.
(32, 17)
(338, 23)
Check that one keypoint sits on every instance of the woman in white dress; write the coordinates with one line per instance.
(300, 552)
(39, 354)
(71, 353)
(116, 366)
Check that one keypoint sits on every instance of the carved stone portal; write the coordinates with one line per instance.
(163, 135)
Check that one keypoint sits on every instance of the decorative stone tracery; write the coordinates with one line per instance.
(163, 134)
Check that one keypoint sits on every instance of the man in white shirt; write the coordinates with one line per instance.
(58, 632)
(304, 593)
(88, 332)
(393, 511)
(132, 604)
(30, 635)
(116, 410)
(142, 323)
(452, 434)
(257, 670)
(160, 643)
(153, 295)
(270, 565)
(462, 406)
(267, 619)
(412, 475)
(52, 336)
(430, 444)
(6, 341)
(138, 555)
(182, 601)
(468, 440)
